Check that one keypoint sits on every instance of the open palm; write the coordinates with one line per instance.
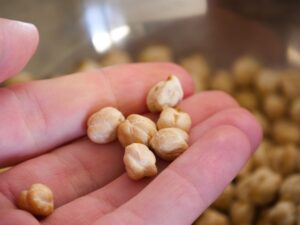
(43, 127)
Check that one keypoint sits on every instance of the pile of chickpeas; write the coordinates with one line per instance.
(267, 190)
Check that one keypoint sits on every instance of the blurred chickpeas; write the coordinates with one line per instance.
(222, 80)
(156, 53)
(247, 99)
(212, 217)
(263, 121)
(295, 110)
(88, 65)
(115, 57)
(285, 131)
(290, 83)
(290, 189)
(225, 200)
(245, 69)
(242, 213)
(261, 156)
(267, 81)
(198, 67)
(283, 213)
(274, 106)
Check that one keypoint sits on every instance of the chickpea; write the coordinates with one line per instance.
(139, 161)
(136, 129)
(165, 93)
(290, 189)
(285, 131)
(170, 117)
(199, 69)
(242, 213)
(274, 106)
(283, 213)
(115, 57)
(38, 200)
(295, 110)
(223, 81)
(88, 65)
(246, 170)
(283, 159)
(267, 81)
(225, 200)
(169, 143)
(245, 69)
(156, 53)
(290, 83)
(103, 125)
(247, 99)
(212, 217)
(261, 156)
(262, 119)
(259, 188)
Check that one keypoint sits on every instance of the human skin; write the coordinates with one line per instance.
(42, 133)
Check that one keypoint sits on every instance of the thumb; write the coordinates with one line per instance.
(18, 42)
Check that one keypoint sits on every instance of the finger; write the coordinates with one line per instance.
(79, 166)
(44, 114)
(121, 190)
(18, 42)
(188, 185)
(17, 217)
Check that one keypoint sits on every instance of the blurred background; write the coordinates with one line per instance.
(249, 49)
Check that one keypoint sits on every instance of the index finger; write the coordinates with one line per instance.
(44, 114)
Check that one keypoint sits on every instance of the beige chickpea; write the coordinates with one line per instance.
(222, 80)
(290, 189)
(225, 200)
(246, 170)
(247, 99)
(38, 200)
(267, 81)
(88, 65)
(259, 188)
(290, 83)
(274, 106)
(156, 53)
(295, 110)
(139, 161)
(171, 117)
(198, 67)
(283, 213)
(22, 77)
(242, 213)
(103, 125)
(283, 159)
(136, 129)
(212, 217)
(261, 156)
(115, 57)
(285, 131)
(169, 143)
(245, 69)
(264, 122)
(165, 93)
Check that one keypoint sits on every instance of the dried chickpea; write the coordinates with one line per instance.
(290, 83)
(283, 159)
(285, 131)
(261, 156)
(223, 80)
(165, 93)
(38, 200)
(199, 69)
(247, 99)
(88, 65)
(136, 129)
(295, 110)
(169, 143)
(171, 117)
(274, 106)
(242, 213)
(103, 125)
(114, 57)
(260, 187)
(262, 119)
(19, 78)
(225, 200)
(283, 213)
(156, 53)
(139, 161)
(246, 170)
(267, 81)
(212, 217)
(245, 70)
(290, 189)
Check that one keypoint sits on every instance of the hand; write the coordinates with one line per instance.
(42, 131)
